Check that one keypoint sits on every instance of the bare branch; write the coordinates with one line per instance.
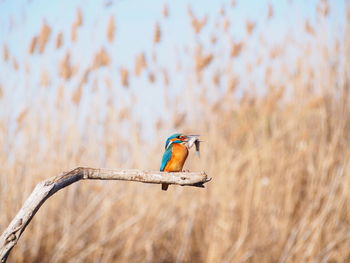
(47, 188)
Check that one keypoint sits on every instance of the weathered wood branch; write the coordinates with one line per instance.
(47, 188)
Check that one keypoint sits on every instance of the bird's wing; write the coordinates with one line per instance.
(166, 158)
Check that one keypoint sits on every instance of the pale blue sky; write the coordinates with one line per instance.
(135, 20)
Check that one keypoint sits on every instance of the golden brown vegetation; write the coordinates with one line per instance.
(279, 161)
(59, 40)
(157, 33)
(111, 29)
(140, 64)
(43, 37)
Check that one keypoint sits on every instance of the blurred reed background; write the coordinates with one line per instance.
(269, 94)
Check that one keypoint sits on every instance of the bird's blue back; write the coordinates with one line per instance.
(166, 157)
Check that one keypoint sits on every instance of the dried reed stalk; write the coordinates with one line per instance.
(59, 40)
(5, 53)
(140, 64)
(111, 29)
(124, 76)
(165, 11)
(101, 59)
(44, 37)
(157, 34)
(66, 69)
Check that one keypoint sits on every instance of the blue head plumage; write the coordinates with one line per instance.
(172, 137)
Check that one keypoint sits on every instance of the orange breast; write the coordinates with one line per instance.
(178, 158)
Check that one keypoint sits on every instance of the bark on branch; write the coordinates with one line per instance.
(47, 188)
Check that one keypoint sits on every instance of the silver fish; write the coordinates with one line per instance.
(193, 140)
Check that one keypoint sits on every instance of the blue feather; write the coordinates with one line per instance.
(166, 157)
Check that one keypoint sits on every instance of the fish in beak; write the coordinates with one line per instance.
(193, 140)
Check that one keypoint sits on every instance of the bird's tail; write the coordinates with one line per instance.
(165, 187)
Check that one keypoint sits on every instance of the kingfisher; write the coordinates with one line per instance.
(176, 152)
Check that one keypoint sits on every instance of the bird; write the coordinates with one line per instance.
(176, 152)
